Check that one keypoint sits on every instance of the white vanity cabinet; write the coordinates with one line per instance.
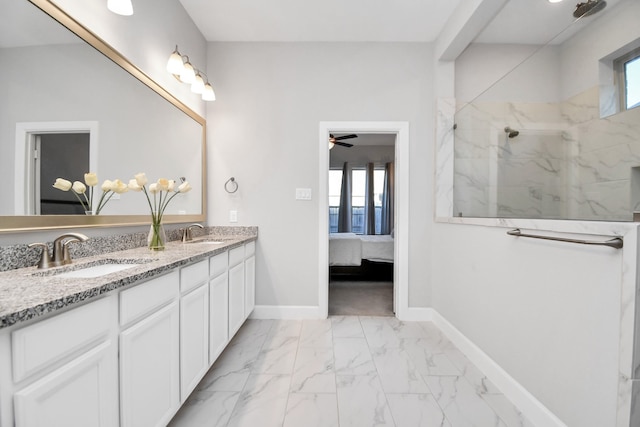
(194, 326)
(72, 377)
(130, 358)
(249, 278)
(218, 305)
(236, 290)
(150, 352)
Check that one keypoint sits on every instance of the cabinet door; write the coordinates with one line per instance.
(82, 393)
(218, 316)
(149, 369)
(194, 339)
(236, 298)
(249, 285)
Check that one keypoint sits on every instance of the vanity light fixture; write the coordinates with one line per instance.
(555, 1)
(121, 7)
(184, 71)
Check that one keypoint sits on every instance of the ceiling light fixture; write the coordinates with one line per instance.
(121, 7)
(554, 1)
(184, 71)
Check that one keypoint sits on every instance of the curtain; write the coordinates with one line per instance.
(344, 210)
(388, 199)
(369, 203)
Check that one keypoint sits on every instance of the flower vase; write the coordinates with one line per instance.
(157, 237)
(91, 213)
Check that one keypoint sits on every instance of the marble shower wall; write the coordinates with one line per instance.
(566, 163)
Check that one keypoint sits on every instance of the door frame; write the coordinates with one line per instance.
(401, 219)
(23, 172)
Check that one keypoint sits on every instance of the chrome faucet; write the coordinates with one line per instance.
(61, 254)
(186, 233)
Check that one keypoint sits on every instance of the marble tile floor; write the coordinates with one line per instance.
(347, 371)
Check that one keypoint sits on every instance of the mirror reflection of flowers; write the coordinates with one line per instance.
(159, 193)
(84, 191)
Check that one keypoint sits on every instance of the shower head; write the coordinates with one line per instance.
(591, 7)
(511, 133)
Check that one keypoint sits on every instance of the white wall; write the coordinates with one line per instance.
(360, 155)
(147, 38)
(263, 130)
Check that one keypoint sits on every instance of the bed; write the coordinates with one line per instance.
(361, 257)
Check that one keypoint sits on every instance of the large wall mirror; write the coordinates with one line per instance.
(69, 99)
(557, 136)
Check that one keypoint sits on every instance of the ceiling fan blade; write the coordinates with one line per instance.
(344, 144)
(339, 138)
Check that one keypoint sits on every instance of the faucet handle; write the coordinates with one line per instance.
(186, 233)
(45, 258)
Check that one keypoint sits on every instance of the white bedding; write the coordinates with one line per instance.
(345, 249)
(377, 248)
(349, 249)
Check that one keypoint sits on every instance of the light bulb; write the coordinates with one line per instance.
(188, 74)
(175, 64)
(198, 84)
(331, 145)
(208, 94)
(121, 7)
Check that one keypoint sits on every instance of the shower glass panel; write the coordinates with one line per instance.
(541, 140)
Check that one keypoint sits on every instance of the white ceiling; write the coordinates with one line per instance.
(520, 21)
(320, 20)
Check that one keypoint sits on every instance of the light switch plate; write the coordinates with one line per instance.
(303, 194)
(233, 216)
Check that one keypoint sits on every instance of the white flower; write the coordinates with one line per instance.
(106, 185)
(79, 187)
(153, 188)
(184, 187)
(163, 184)
(119, 187)
(141, 179)
(62, 184)
(134, 186)
(90, 179)
(171, 185)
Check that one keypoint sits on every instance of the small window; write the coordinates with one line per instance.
(628, 69)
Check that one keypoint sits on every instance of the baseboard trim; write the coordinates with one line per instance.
(531, 407)
(286, 312)
(416, 314)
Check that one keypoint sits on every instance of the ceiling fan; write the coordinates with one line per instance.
(337, 140)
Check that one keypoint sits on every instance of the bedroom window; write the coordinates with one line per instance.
(628, 70)
(358, 188)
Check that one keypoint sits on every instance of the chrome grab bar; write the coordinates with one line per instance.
(615, 242)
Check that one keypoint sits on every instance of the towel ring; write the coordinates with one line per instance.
(233, 183)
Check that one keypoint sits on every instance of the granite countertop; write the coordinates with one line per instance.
(27, 293)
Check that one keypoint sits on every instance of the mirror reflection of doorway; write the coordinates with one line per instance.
(58, 155)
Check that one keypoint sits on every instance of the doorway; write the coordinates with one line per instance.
(45, 151)
(361, 221)
(400, 130)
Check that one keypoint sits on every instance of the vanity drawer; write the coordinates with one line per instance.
(236, 256)
(144, 298)
(218, 264)
(249, 249)
(194, 275)
(52, 340)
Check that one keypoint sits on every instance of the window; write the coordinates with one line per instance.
(628, 69)
(358, 188)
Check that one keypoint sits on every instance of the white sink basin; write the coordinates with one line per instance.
(96, 270)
